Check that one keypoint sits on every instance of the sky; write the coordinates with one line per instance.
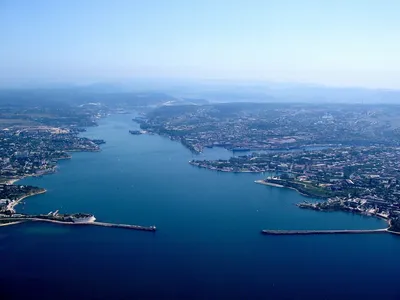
(330, 42)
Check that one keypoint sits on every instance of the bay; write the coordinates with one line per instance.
(208, 244)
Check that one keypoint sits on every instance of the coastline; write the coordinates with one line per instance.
(51, 170)
(12, 181)
(282, 186)
(16, 202)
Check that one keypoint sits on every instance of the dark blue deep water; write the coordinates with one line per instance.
(208, 245)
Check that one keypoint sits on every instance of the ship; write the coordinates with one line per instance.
(135, 132)
(82, 218)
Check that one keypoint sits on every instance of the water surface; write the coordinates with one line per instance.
(208, 244)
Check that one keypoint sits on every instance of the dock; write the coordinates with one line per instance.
(126, 226)
(104, 224)
(309, 232)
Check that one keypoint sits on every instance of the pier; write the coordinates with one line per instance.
(309, 232)
(125, 226)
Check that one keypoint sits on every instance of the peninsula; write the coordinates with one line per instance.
(31, 144)
(344, 155)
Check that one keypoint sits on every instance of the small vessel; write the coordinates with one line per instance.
(135, 132)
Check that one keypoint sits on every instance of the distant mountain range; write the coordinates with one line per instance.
(198, 92)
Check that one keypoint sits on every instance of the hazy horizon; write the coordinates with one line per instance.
(157, 83)
(330, 43)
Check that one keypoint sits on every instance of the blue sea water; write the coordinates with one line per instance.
(208, 244)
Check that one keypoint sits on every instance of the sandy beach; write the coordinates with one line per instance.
(12, 181)
(16, 202)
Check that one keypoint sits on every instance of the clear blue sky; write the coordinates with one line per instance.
(334, 42)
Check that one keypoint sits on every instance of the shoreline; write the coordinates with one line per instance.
(282, 186)
(51, 170)
(11, 206)
(16, 202)
(46, 172)
(14, 180)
